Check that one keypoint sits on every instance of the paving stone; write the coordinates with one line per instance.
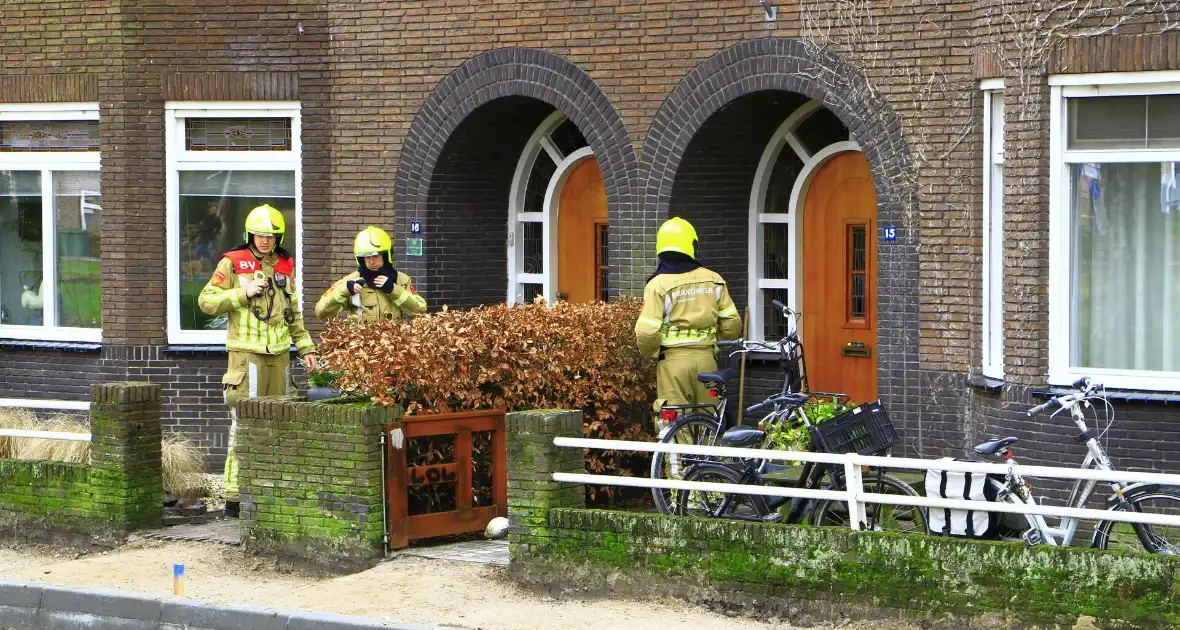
(224, 531)
(473, 551)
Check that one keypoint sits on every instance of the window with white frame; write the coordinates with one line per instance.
(224, 159)
(554, 148)
(50, 223)
(993, 231)
(808, 138)
(1115, 230)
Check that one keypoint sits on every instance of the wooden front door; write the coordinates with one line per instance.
(840, 279)
(582, 234)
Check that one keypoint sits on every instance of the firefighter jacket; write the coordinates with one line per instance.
(369, 302)
(686, 310)
(267, 322)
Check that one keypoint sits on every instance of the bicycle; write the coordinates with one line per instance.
(704, 422)
(865, 429)
(1135, 497)
(789, 349)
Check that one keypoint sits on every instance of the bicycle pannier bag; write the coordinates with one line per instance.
(961, 523)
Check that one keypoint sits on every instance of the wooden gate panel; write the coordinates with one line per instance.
(400, 476)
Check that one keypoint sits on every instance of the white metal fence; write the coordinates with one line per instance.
(856, 496)
(45, 435)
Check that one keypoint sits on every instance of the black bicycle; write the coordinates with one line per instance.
(701, 424)
(865, 429)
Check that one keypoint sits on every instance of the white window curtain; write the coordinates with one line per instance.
(1125, 272)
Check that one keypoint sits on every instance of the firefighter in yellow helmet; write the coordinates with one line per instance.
(375, 290)
(254, 285)
(686, 310)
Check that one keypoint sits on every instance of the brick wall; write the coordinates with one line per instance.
(833, 574)
(394, 111)
(121, 489)
(311, 481)
(532, 460)
(817, 571)
(45, 373)
(713, 184)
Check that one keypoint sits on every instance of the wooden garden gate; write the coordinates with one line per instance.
(444, 474)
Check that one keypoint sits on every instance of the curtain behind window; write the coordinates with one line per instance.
(1125, 272)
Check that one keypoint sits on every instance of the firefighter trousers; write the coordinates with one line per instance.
(676, 377)
(250, 375)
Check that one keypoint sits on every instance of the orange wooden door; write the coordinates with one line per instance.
(581, 233)
(840, 279)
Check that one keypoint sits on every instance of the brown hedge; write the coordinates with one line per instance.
(532, 356)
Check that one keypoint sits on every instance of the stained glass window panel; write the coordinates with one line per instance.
(57, 135)
(237, 134)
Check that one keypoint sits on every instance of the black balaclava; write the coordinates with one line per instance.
(674, 262)
(386, 269)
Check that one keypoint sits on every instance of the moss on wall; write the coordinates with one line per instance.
(922, 575)
(311, 482)
(120, 490)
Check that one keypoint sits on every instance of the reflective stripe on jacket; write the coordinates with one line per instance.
(691, 309)
(225, 294)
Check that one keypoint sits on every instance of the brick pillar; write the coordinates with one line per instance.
(532, 460)
(125, 465)
(311, 482)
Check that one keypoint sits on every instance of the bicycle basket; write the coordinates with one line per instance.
(864, 429)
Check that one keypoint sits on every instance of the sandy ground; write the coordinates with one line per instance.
(402, 589)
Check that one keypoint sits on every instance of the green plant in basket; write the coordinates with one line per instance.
(323, 377)
(790, 434)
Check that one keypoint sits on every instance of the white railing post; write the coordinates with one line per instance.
(855, 488)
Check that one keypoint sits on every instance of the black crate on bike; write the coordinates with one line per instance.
(864, 429)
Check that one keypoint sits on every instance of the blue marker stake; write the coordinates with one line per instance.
(178, 579)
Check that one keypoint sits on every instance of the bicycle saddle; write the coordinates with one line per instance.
(990, 448)
(721, 376)
(742, 437)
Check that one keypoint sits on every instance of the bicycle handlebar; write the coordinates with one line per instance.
(1040, 408)
(1085, 387)
(746, 345)
(797, 399)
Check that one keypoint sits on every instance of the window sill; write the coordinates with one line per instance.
(194, 349)
(986, 383)
(69, 346)
(1121, 395)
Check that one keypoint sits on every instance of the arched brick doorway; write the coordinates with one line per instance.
(752, 87)
(456, 171)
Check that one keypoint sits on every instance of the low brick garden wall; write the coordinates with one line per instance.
(809, 573)
(311, 483)
(119, 491)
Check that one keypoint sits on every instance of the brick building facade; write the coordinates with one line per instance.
(420, 117)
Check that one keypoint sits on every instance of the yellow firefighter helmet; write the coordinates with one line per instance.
(677, 235)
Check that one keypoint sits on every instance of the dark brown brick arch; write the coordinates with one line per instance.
(795, 65)
(509, 72)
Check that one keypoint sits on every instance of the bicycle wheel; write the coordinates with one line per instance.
(878, 516)
(1161, 539)
(694, 428)
(718, 504)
